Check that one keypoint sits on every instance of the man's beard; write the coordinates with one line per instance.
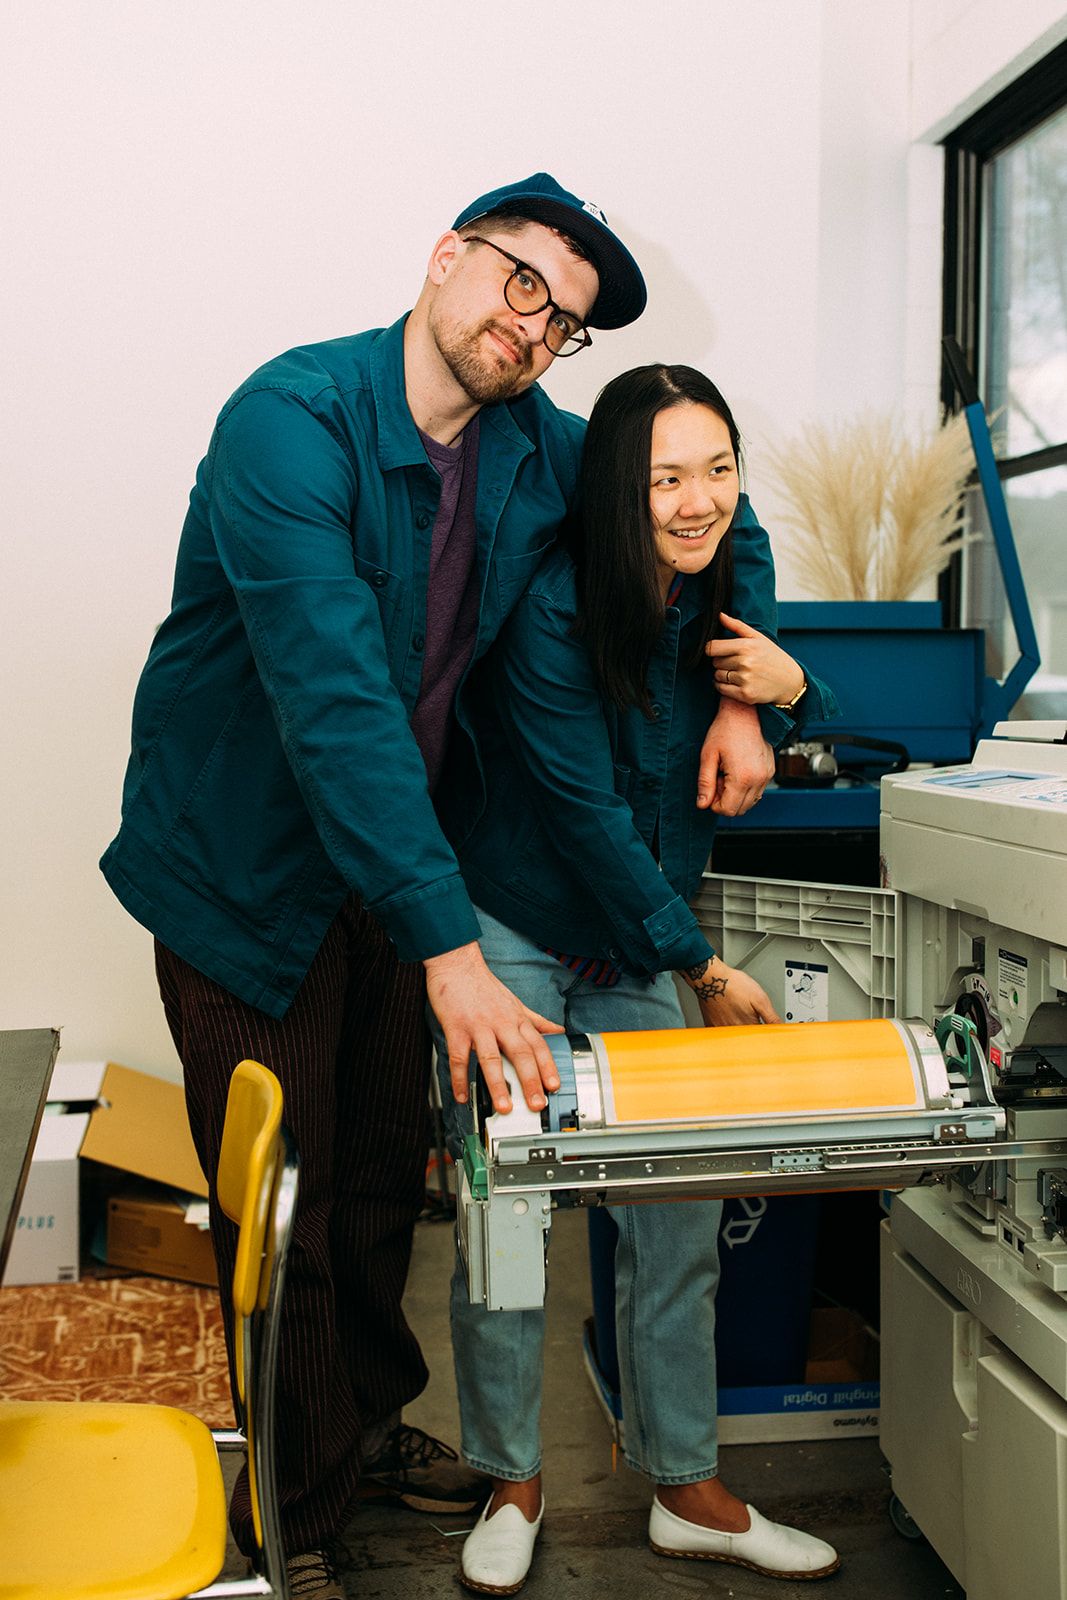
(484, 378)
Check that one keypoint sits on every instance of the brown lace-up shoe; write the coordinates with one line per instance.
(425, 1474)
(313, 1576)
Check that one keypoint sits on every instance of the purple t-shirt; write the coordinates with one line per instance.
(451, 595)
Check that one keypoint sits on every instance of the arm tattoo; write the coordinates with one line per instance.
(710, 988)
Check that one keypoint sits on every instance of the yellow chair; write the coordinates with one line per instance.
(126, 1502)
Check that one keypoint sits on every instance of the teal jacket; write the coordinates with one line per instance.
(581, 829)
(273, 769)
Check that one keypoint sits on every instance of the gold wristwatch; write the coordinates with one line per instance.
(787, 705)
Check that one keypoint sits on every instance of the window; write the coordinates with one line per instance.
(1005, 300)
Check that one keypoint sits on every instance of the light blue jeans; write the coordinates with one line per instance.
(666, 1272)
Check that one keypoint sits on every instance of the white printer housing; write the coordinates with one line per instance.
(974, 1270)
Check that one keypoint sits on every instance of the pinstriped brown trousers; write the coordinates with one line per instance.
(352, 1054)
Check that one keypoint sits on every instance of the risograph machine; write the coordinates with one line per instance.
(931, 1064)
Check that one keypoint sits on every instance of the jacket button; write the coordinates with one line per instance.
(417, 641)
(422, 520)
(649, 783)
(613, 955)
(657, 712)
(379, 579)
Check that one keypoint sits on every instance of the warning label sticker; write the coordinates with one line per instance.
(1011, 980)
(807, 992)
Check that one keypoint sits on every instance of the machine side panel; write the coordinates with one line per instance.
(514, 1229)
(1020, 1312)
(929, 1353)
(1015, 1486)
(980, 875)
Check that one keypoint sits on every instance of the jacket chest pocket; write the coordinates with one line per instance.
(513, 573)
(388, 591)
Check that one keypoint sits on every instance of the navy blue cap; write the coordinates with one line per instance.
(622, 293)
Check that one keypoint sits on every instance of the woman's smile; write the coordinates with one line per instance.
(690, 533)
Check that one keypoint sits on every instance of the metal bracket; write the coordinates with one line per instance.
(745, 1171)
(805, 1160)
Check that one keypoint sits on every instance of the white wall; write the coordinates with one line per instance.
(190, 188)
(967, 51)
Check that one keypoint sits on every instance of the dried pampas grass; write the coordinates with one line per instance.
(874, 514)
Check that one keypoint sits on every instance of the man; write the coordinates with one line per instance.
(368, 512)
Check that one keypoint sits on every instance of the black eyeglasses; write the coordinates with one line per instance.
(527, 292)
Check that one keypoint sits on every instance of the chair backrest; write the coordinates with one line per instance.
(247, 1162)
(257, 1184)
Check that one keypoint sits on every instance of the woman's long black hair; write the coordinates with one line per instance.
(620, 604)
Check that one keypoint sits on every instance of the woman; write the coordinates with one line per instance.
(581, 856)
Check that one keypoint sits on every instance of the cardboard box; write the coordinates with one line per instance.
(838, 1399)
(149, 1232)
(97, 1111)
(45, 1244)
(141, 1126)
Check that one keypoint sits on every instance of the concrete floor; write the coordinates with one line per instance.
(594, 1538)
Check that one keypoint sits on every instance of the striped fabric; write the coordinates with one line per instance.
(352, 1054)
(599, 971)
(605, 974)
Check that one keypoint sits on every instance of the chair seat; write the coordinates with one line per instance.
(116, 1502)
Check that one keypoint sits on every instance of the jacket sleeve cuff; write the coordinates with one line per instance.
(429, 921)
(677, 937)
(818, 704)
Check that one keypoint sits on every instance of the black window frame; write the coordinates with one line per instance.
(1016, 111)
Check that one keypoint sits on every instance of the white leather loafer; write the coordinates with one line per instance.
(498, 1550)
(766, 1547)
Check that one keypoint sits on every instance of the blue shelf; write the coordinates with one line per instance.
(843, 806)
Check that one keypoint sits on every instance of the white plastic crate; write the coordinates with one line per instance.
(823, 951)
